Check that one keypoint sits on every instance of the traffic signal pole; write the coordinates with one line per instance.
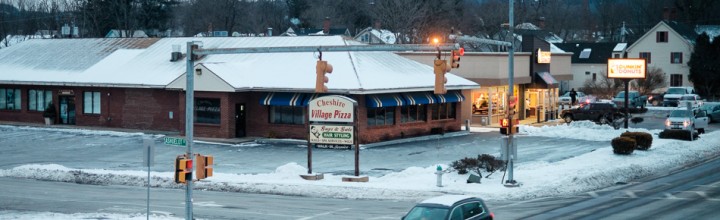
(511, 75)
(189, 121)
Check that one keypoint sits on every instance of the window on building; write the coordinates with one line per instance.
(616, 55)
(587, 72)
(585, 53)
(207, 111)
(91, 102)
(38, 100)
(676, 80)
(443, 111)
(381, 116)
(676, 57)
(413, 113)
(646, 56)
(594, 77)
(287, 115)
(662, 36)
(10, 99)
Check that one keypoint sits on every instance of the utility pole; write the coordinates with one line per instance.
(189, 122)
(511, 75)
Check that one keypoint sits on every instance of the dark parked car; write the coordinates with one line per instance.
(599, 112)
(449, 207)
(713, 111)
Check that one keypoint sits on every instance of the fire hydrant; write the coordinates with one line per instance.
(439, 174)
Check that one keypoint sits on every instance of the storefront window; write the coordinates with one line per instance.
(207, 111)
(413, 113)
(39, 99)
(287, 115)
(10, 99)
(381, 116)
(443, 111)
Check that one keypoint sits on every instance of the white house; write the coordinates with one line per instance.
(667, 46)
(375, 36)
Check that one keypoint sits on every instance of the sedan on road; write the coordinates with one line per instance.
(450, 207)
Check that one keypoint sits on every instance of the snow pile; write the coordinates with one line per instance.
(53, 215)
(582, 130)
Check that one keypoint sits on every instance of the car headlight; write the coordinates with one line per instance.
(686, 123)
(667, 122)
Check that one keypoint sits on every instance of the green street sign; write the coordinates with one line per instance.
(175, 141)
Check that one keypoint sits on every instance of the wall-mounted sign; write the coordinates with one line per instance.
(330, 134)
(66, 92)
(332, 108)
(543, 56)
(627, 68)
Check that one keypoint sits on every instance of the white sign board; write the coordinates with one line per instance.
(627, 68)
(543, 56)
(332, 108)
(331, 134)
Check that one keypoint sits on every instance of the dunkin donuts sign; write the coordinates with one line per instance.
(332, 109)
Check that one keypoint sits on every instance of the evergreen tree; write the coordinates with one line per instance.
(704, 68)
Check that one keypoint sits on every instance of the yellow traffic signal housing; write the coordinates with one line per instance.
(440, 68)
(204, 166)
(456, 54)
(321, 68)
(183, 169)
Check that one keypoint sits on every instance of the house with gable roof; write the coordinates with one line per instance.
(589, 61)
(668, 46)
(136, 83)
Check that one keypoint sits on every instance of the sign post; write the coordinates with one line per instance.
(333, 120)
(148, 160)
(628, 69)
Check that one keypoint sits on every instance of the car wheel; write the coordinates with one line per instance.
(701, 130)
(604, 120)
(655, 103)
(710, 119)
(568, 118)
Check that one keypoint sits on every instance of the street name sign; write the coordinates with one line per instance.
(175, 141)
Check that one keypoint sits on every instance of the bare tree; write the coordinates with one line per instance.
(400, 16)
(603, 88)
(655, 79)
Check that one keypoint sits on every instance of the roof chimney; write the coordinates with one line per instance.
(176, 54)
(326, 25)
(269, 32)
(666, 14)
(377, 25)
(541, 22)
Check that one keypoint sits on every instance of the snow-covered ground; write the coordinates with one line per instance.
(590, 171)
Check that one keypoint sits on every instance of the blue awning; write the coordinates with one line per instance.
(283, 99)
(312, 96)
(383, 100)
(450, 96)
(419, 98)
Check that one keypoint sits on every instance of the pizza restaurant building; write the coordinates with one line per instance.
(131, 83)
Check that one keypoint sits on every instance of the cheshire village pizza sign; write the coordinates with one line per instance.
(332, 108)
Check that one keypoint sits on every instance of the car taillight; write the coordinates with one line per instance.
(492, 216)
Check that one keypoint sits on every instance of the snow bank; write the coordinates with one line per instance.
(581, 130)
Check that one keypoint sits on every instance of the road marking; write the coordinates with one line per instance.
(671, 196)
(631, 193)
(593, 194)
(324, 213)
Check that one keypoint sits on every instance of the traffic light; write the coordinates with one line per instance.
(321, 68)
(512, 103)
(456, 54)
(204, 166)
(440, 68)
(183, 169)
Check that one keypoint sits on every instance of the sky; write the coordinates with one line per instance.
(587, 172)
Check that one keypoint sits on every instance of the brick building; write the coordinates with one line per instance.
(134, 83)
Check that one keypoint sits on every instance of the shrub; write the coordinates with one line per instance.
(49, 111)
(643, 139)
(623, 145)
(484, 161)
(678, 134)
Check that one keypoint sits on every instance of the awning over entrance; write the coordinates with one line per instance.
(450, 96)
(383, 100)
(284, 99)
(547, 78)
(419, 98)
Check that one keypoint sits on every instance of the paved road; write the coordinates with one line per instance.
(688, 194)
(40, 196)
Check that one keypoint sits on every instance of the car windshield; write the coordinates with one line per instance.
(676, 91)
(567, 94)
(679, 113)
(422, 213)
(620, 95)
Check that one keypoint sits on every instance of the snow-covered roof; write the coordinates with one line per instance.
(620, 47)
(711, 30)
(145, 63)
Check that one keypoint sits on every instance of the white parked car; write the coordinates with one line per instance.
(691, 98)
(681, 119)
(581, 98)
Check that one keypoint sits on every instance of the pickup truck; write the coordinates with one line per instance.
(682, 119)
(635, 99)
(673, 94)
